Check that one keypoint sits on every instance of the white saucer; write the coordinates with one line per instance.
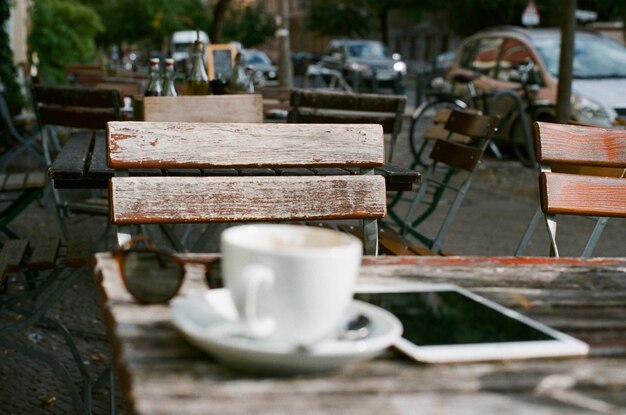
(202, 317)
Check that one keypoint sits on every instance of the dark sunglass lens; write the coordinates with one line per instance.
(151, 277)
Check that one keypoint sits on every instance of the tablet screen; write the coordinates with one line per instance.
(451, 318)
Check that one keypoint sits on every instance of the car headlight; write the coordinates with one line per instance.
(399, 67)
(588, 111)
(358, 67)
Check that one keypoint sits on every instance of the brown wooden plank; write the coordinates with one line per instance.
(580, 145)
(76, 96)
(243, 108)
(78, 252)
(35, 180)
(472, 124)
(460, 156)
(232, 199)
(77, 117)
(319, 117)
(44, 255)
(15, 181)
(343, 100)
(209, 145)
(13, 252)
(98, 168)
(583, 195)
(71, 163)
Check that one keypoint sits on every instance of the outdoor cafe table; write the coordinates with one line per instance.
(82, 164)
(161, 373)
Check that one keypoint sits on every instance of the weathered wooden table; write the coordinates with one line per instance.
(161, 373)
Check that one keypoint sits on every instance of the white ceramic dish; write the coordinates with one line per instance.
(204, 319)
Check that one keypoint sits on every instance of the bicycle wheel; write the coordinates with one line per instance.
(422, 118)
(521, 143)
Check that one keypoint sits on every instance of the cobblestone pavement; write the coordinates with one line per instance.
(496, 211)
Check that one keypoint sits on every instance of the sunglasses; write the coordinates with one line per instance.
(152, 275)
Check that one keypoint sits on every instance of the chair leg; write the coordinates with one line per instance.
(452, 212)
(595, 236)
(530, 230)
(551, 226)
(370, 236)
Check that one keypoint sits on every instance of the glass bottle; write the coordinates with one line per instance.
(169, 79)
(238, 82)
(154, 88)
(198, 80)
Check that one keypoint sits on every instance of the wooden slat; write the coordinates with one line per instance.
(76, 96)
(580, 145)
(15, 181)
(3, 179)
(583, 195)
(45, 251)
(342, 100)
(472, 124)
(78, 253)
(72, 162)
(77, 117)
(456, 155)
(244, 108)
(13, 253)
(192, 145)
(98, 168)
(35, 180)
(232, 199)
(387, 121)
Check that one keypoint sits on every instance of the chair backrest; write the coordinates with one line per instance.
(245, 108)
(581, 149)
(311, 106)
(457, 156)
(464, 155)
(239, 198)
(76, 107)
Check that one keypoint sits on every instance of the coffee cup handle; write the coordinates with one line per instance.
(257, 277)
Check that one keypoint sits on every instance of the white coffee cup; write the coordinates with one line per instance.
(290, 283)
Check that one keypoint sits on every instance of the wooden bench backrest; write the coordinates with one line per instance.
(76, 107)
(244, 108)
(133, 145)
(310, 106)
(461, 155)
(588, 148)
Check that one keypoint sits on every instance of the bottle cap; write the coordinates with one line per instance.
(154, 61)
(169, 62)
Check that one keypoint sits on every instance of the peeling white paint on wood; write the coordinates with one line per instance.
(213, 145)
(242, 198)
(244, 108)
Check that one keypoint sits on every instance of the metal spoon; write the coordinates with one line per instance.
(356, 328)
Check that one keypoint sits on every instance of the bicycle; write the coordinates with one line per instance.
(517, 115)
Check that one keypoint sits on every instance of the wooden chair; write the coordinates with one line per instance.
(77, 109)
(207, 108)
(224, 196)
(583, 173)
(449, 156)
(311, 106)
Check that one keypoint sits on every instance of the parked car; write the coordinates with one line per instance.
(495, 55)
(359, 59)
(263, 69)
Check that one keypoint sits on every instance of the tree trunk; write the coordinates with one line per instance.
(382, 18)
(219, 13)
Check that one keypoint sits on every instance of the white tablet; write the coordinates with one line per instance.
(446, 323)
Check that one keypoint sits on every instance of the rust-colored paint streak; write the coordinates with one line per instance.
(481, 262)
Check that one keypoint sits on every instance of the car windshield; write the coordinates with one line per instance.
(367, 50)
(594, 56)
(256, 58)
